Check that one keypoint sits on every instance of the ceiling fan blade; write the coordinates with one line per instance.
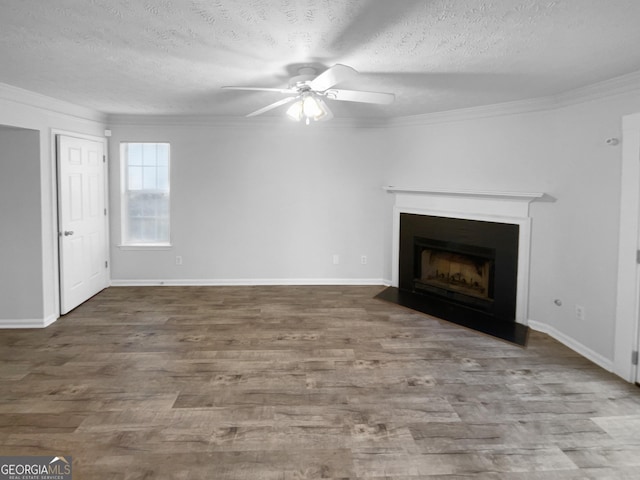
(272, 106)
(332, 76)
(360, 96)
(263, 89)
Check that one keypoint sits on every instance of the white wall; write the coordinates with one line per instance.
(20, 108)
(560, 151)
(20, 235)
(262, 203)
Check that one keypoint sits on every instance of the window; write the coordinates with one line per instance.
(145, 193)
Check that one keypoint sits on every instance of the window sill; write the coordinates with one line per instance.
(146, 246)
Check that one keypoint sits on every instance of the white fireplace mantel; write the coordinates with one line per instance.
(482, 202)
(501, 207)
(524, 196)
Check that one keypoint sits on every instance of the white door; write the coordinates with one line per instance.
(82, 220)
(627, 325)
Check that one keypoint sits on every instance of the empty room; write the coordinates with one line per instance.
(303, 239)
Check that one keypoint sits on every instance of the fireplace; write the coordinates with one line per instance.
(458, 272)
(461, 270)
(479, 243)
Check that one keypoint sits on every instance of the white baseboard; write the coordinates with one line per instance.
(577, 347)
(235, 282)
(28, 322)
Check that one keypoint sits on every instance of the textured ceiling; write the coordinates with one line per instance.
(172, 56)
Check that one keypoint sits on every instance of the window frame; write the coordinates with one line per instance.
(125, 242)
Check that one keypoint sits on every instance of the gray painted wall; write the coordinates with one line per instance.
(270, 204)
(21, 231)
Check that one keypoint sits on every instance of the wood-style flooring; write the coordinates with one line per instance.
(304, 383)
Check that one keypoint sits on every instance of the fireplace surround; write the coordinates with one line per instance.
(464, 247)
(463, 256)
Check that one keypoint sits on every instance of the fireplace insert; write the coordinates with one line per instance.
(458, 272)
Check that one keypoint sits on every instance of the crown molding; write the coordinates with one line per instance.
(621, 85)
(616, 86)
(471, 113)
(60, 107)
(244, 122)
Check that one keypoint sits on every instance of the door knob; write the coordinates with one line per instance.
(68, 232)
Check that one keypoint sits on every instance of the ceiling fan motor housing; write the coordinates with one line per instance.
(305, 75)
(300, 81)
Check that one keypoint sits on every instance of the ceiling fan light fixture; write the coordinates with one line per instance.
(308, 108)
(295, 110)
(311, 108)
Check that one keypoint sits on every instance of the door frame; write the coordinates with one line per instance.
(56, 209)
(628, 292)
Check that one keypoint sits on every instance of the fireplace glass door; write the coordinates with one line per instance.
(463, 273)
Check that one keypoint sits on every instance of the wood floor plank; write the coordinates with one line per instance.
(304, 382)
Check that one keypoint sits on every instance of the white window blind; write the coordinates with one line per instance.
(146, 197)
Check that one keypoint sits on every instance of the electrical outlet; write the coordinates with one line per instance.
(580, 313)
(178, 260)
(336, 259)
(363, 259)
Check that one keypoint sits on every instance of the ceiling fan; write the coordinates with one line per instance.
(308, 90)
